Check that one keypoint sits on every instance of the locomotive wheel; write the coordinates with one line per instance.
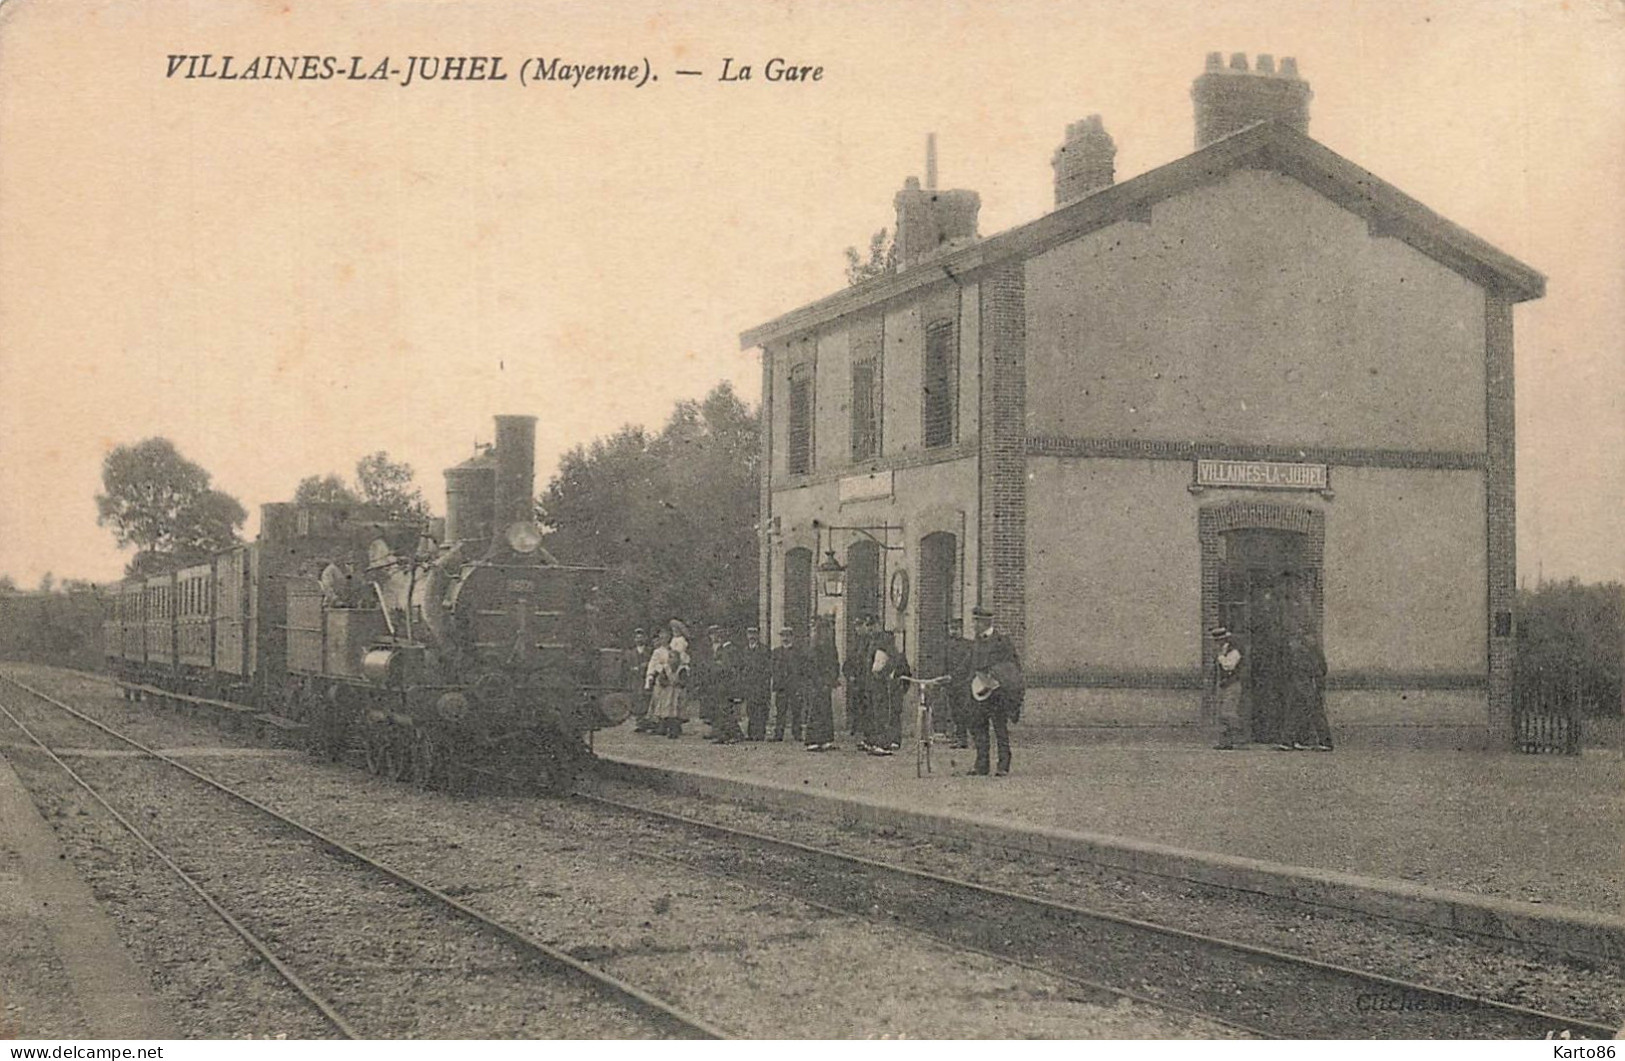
(398, 757)
(426, 761)
(374, 748)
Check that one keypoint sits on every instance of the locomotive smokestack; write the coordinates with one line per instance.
(516, 471)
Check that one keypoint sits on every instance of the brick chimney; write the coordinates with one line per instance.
(1230, 98)
(928, 220)
(1085, 163)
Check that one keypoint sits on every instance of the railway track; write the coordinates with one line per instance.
(1265, 991)
(334, 876)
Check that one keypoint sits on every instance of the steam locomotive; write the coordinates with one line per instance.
(444, 655)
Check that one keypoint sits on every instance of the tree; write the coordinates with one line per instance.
(162, 504)
(881, 262)
(321, 489)
(673, 516)
(8, 584)
(47, 583)
(388, 484)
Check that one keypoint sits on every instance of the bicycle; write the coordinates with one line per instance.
(924, 721)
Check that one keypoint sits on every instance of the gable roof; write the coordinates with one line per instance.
(1387, 210)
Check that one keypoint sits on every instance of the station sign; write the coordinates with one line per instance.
(1261, 475)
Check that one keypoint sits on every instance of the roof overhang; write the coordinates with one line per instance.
(1387, 210)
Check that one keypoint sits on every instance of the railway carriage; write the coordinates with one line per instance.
(442, 654)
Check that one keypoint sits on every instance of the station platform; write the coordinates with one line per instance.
(64, 972)
(1527, 847)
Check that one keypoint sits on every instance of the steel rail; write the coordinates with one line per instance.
(1449, 1001)
(292, 978)
(981, 952)
(638, 999)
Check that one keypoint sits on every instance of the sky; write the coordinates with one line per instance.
(282, 276)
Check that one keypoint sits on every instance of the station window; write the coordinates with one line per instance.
(865, 411)
(801, 409)
(941, 379)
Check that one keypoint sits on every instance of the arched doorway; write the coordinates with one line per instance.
(798, 598)
(938, 604)
(862, 588)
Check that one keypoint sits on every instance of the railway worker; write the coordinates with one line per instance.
(726, 690)
(663, 680)
(855, 672)
(996, 690)
(789, 686)
(823, 675)
(711, 679)
(1227, 687)
(755, 683)
(884, 733)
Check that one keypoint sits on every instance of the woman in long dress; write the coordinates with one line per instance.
(663, 680)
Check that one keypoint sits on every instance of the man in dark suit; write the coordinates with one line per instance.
(790, 686)
(996, 690)
(855, 674)
(727, 690)
(755, 684)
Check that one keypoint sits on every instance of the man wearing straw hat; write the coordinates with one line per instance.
(1227, 686)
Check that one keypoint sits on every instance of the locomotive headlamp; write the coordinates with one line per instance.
(524, 537)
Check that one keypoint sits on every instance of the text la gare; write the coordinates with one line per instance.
(775, 69)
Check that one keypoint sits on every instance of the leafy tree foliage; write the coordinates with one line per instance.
(389, 485)
(161, 503)
(673, 516)
(319, 489)
(882, 260)
(1571, 640)
(379, 481)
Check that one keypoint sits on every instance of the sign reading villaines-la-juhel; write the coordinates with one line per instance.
(1265, 475)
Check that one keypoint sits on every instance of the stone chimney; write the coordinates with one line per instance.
(1085, 163)
(928, 220)
(1230, 98)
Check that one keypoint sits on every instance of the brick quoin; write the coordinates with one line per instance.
(1501, 509)
(1003, 575)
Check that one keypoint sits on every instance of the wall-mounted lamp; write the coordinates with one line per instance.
(832, 575)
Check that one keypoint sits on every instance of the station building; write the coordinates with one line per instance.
(1253, 385)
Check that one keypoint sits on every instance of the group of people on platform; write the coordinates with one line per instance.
(738, 689)
(1275, 697)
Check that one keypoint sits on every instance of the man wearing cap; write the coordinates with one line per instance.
(996, 690)
(726, 692)
(789, 686)
(855, 675)
(704, 682)
(637, 663)
(1227, 689)
(755, 684)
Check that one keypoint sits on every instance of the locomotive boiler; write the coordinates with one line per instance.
(449, 654)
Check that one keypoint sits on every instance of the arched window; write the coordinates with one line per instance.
(798, 590)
